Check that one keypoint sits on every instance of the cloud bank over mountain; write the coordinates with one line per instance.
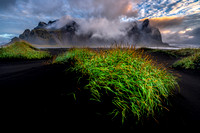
(94, 32)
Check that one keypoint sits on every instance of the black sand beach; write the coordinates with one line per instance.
(35, 94)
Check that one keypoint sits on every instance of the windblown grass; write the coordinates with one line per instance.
(137, 89)
(22, 50)
(174, 53)
(191, 62)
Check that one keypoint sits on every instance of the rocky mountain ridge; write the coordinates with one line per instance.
(48, 34)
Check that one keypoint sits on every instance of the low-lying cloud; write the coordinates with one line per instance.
(101, 28)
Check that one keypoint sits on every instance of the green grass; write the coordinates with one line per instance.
(191, 62)
(135, 87)
(22, 50)
(174, 53)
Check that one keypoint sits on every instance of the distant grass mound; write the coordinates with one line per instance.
(135, 87)
(191, 62)
(22, 50)
(174, 53)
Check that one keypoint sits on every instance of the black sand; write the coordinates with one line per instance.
(35, 94)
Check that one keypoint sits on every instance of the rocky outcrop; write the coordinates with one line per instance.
(41, 25)
(145, 24)
(38, 36)
(25, 35)
(141, 34)
(146, 36)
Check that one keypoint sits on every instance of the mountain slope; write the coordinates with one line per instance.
(136, 33)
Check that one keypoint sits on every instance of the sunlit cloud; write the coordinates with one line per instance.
(166, 32)
(184, 31)
(167, 21)
(190, 37)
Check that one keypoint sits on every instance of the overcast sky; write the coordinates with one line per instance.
(178, 20)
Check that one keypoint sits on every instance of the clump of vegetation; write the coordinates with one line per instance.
(135, 87)
(191, 62)
(22, 50)
(186, 52)
(174, 53)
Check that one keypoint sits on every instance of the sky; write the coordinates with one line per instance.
(178, 20)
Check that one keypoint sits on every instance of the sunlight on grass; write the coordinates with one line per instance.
(22, 50)
(175, 53)
(190, 62)
(137, 88)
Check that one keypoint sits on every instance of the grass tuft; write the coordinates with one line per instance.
(191, 62)
(128, 80)
(173, 53)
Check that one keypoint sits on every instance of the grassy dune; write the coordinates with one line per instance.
(188, 58)
(125, 78)
(22, 50)
(191, 62)
(174, 53)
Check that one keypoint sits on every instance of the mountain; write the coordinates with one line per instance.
(140, 34)
(146, 35)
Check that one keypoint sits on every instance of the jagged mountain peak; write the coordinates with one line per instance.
(68, 33)
(145, 24)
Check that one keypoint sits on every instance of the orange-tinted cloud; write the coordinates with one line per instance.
(163, 22)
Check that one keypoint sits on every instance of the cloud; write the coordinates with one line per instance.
(184, 31)
(110, 9)
(187, 32)
(34, 9)
(186, 7)
(160, 8)
(193, 36)
(7, 36)
(44, 7)
(193, 32)
(4, 38)
(185, 36)
(99, 27)
(5, 4)
(100, 17)
(170, 16)
(165, 22)
(103, 28)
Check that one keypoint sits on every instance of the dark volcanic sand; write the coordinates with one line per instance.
(36, 94)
